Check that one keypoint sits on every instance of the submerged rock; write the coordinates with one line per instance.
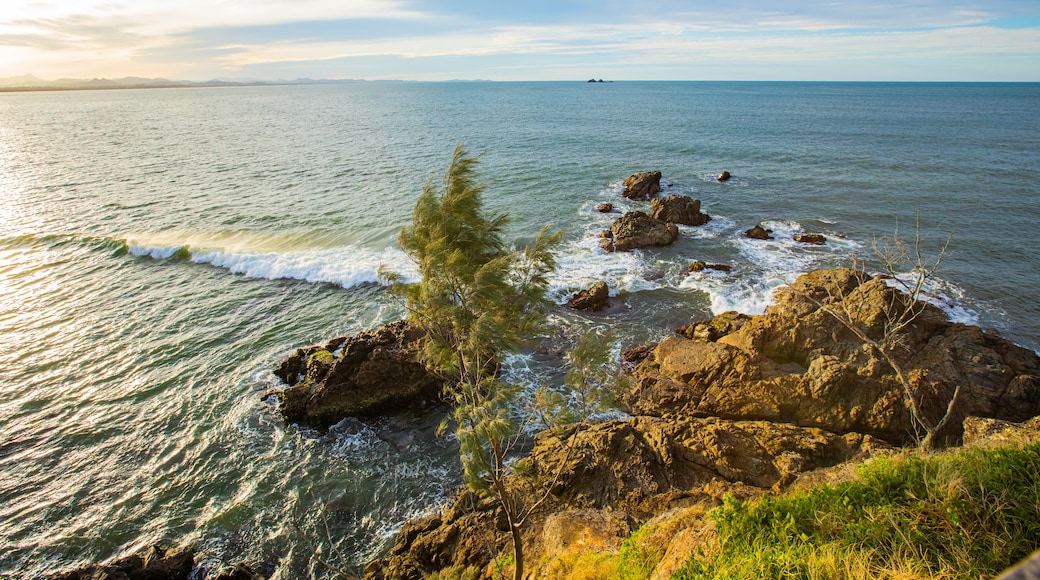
(679, 209)
(605, 207)
(363, 375)
(635, 230)
(642, 185)
(157, 563)
(724, 176)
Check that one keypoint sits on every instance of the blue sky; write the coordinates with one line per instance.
(926, 40)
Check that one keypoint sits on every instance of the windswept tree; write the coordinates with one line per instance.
(911, 268)
(477, 299)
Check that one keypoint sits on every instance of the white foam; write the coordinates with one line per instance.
(944, 295)
(746, 294)
(581, 263)
(716, 228)
(159, 252)
(346, 266)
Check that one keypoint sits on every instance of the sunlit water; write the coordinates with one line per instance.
(162, 250)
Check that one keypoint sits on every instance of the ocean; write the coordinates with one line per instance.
(162, 250)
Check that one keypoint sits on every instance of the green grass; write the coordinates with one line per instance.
(961, 514)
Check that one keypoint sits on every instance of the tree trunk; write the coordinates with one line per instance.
(518, 552)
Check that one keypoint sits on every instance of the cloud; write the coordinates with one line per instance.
(203, 38)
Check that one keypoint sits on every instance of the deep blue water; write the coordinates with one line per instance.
(161, 250)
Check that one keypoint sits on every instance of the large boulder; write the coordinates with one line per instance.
(635, 229)
(642, 185)
(363, 375)
(679, 209)
(798, 364)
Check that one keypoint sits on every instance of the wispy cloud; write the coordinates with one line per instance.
(347, 38)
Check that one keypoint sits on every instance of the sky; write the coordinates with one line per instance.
(905, 40)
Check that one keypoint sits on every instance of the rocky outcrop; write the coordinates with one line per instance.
(363, 375)
(642, 185)
(613, 475)
(724, 176)
(813, 239)
(635, 230)
(157, 563)
(595, 298)
(679, 209)
(714, 328)
(797, 364)
(739, 405)
(605, 207)
(758, 233)
(636, 354)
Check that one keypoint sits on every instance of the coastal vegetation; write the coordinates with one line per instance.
(964, 514)
(960, 514)
(477, 301)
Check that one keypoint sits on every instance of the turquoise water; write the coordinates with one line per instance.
(161, 250)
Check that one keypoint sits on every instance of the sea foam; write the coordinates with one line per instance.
(346, 266)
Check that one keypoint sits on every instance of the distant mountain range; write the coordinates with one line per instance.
(32, 83)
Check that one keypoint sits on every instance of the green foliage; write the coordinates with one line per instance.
(591, 371)
(963, 514)
(588, 383)
(477, 300)
(635, 560)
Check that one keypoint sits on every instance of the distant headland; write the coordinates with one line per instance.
(32, 83)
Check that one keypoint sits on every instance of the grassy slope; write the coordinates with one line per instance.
(967, 513)
(962, 514)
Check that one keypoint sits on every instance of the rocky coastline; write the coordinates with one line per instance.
(739, 405)
(732, 406)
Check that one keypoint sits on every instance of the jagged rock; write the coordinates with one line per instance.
(714, 328)
(635, 229)
(594, 298)
(759, 233)
(679, 209)
(636, 354)
(467, 534)
(724, 176)
(157, 563)
(573, 531)
(618, 473)
(605, 207)
(797, 364)
(981, 431)
(814, 239)
(642, 185)
(372, 373)
(700, 266)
